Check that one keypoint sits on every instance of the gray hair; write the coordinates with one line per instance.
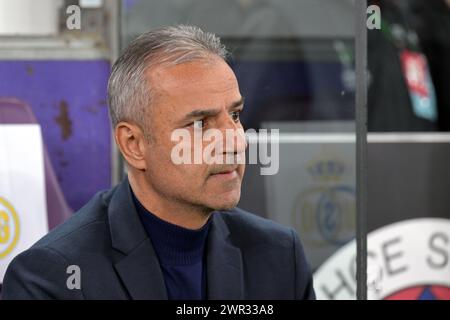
(129, 94)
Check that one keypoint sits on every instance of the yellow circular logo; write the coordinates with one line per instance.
(9, 228)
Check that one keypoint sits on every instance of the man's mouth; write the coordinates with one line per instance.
(226, 173)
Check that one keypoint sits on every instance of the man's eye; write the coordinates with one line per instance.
(235, 116)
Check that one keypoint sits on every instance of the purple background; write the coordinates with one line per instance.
(68, 99)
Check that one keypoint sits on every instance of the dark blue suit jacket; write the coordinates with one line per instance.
(247, 257)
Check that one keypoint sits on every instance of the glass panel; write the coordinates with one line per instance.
(409, 152)
(294, 61)
(55, 133)
(58, 62)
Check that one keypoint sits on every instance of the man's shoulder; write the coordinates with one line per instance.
(251, 229)
(79, 231)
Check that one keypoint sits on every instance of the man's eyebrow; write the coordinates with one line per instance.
(204, 113)
(201, 113)
(236, 104)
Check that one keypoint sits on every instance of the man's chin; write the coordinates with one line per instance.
(226, 204)
(225, 207)
(221, 200)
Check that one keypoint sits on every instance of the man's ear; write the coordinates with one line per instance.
(132, 144)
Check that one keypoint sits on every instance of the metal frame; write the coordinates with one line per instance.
(50, 48)
(115, 7)
(361, 147)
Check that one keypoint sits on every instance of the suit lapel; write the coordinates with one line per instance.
(138, 267)
(224, 264)
(141, 273)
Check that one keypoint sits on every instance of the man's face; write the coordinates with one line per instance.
(205, 91)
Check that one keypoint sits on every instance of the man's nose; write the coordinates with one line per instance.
(234, 138)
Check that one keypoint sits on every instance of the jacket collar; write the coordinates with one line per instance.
(139, 268)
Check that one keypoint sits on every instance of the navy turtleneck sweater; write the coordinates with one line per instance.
(181, 255)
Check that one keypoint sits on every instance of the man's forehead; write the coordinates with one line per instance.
(213, 74)
(189, 86)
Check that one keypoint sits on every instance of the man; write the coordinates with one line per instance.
(170, 230)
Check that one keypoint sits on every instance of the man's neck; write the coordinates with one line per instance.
(172, 211)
